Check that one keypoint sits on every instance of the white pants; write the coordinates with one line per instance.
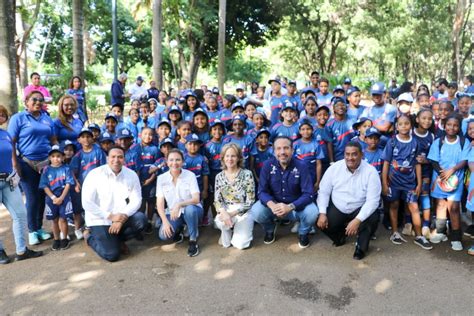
(240, 235)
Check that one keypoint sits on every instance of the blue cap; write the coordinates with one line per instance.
(217, 122)
(323, 107)
(347, 80)
(94, 126)
(105, 136)
(237, 105)
(263, 131)
(85, 130)
(55, 149)
(359, 122)
(274, 80)
(182, 100)
(174, 108)
(372, 131)
(215, 90)
(338, 88)
(67, 142)
(292, 82)
(124, 133)
(164, 120)
(353, 89)
(193, 138)
(288, 105)
(377, 88)
(167, 141)
(190, 94)
(200, 111)
(241, 118)
(337, 100)
(112, 116)
(305, 121)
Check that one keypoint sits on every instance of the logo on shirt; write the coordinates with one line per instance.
(295, 172)
(274, 170)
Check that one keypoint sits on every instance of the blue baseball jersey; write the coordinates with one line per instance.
(212, 151)
(188, 116)
(296, 101)
(148, 156)
(162, 166)
(401, 155)
(341, 133)
(260, 156)
(309, 152)
(353, 114)
(203, 136)
(324, 99)
(312, 120)
(135, 129)
(276, 103)
(32, 134)
(56, 178)
(380, 114)
(82, 163)
(216, 115)
(246, 144)
(362, 143)
(198, 165)
(6, 151)
(280, 129)
(132, 157)
(226, 115)
(374, 158)
(323, 137)
(63, 133)
(424, 144)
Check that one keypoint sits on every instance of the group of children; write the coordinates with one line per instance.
(422, 152)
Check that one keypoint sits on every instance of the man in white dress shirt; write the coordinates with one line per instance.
(349, 195)
(111, 197)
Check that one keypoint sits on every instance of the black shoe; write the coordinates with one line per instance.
(193, 249)
(358, 253)
(29, 254)
(285, 222)
(148, 229)
(303, 241)
(340, 242)
(270, 237)
(178, 238)
(65, 244)
(469, 231)
(4, 259)
(56, 245)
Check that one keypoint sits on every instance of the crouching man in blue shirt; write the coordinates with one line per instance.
(285, 192)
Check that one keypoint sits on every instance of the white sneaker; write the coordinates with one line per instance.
(78, 234)
(437, 238)
(295, 228)
(397, 239)
(408, 229)
(425, 231)
(456, 245)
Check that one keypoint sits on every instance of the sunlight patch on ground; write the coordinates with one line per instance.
(383, 286)
(203, 265)
(224, 274)
(78, 277)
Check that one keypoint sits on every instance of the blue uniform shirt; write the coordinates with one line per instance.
(116, 93)
(132, 157)
(324, 99)
(374, 158)
(148, 156)
(56, 178)
(308, 152)
(291, 185)
(424, 144)
(380, 114)
(246, 144)
(198, 165)
(6, 150)
(296, 101)
(212, 151)
(279, 129)
(323, 137)
(354, 114)
(216, 115)
(360, 141)
(259, 158)
(276, 103)
(32, 134)
(63, 133)
(82, 163)
(341, 133)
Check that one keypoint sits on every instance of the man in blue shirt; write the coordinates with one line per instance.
(116, 91)
(285, 192)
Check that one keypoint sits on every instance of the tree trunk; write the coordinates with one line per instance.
(221, 45)
(8, 90)
(156, 42)
(78, 38)
(457, 27)
(22, 69)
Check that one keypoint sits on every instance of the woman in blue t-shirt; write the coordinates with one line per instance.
(76, 89)
(67, 125)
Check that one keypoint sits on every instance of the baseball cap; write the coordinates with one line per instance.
(55, 149)
(190, 94)
(353, 89)
(305, 121)
(140, 78)
(174, 108)
(167, 141)
(377, 88)
(292, 82)
(407, 97)
(263, 131)
(372, 131)
(338, 88)
(94, 126)
(336, 100)
(164, 120)
(217, 122)
(277, 80)
(200, 111)
(215, 90)
(240, 87)
(288, 105)
(241, 118)
(67, 142)
(85, 130)
(106, 136)
(236, 105)
(347, 80)
(124, 133)
(359, 122)
(323, 107)
(193, 138)
(111, 116)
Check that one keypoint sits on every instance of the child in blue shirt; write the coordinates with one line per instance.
(354, 109)
(95, 129)
(106, 141)
(448, 157)
(470, 191)
(213, 109)
(184, 129)
(163, 130)
(160, 166)
(372, 153)
(401, 179)
(197, 163)
(323, 136)
(359, 127)
(288, 126)
(56, 181)
(201, 125)
(132, 151)
(260, 122)
(340, 130)
(244, 141)
(310, 107)
(261, 152)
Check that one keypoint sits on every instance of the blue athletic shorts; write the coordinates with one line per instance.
(408, 196)
(63, 210)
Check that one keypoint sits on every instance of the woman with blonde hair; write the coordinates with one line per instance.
(67, 125)
(234, 196)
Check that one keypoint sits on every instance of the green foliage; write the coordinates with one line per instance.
(239, 69)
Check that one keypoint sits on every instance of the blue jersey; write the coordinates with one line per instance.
(188, 116)
(296, 101)
(6, 151)
(380, 114)
(82, 163)
(132, 157)
(212, 151)
(341, 133)
(203, 136)
(216, 115)
(424, 144)
(226, 115)
(465, 122)
(259, 157)
(32, 134)
(135, 129)
(449, 156)
(323, 137)
(148, 156)
(162, 166)
(324, 99)
(280, 129)
(308, 152)
(198, 165)
(63, 133)
(276, 103)
(374, 158)
(56, 179)
(353, 114)
(312, 120)
(362, 143)
(246, 144)
(401, 155)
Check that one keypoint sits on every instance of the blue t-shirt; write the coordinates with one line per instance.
(162, 166)
(6, 151)
(324, 99)
(259, 157)
(296, 101)
(276, 103)
(225, 115)
(212, 151)
(132, 157)
(380, 114)
(360, 141)
(198, 165)
(449, 156)
(148, 156)
(32, 134)
(341, 133)
(308, 152)
(63, 133)
(279, 129)
(246, 144)
(374, 158)
(353, 114)
(82, 163)
(56, 178)
(323, 137)
(216, 115)
(424, 144)
(401, 155)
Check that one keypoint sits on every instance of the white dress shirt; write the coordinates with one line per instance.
(350, 191)
(186, 186)
(137, 91)
(104, 193)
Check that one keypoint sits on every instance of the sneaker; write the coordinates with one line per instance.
(437, 238)
(43, 235)
(65, 244)
(469, 231)
(295, 228)
(397, 239)
(56, 244)
(270, 236)
(285, 222)
(148, 229)
(33, 238)
(79, 234)
(408, 229)
(4, 259)
(178, 238)
(312, 231)
(426, 232)
(470, 251)
(28, 254)
(456, 245)
(193, 249)
(423, 243)
(303, 241)
(373, 237)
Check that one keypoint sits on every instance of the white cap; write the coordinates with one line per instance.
(240, 87)
(407, 97)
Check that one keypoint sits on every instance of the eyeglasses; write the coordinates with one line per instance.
(41, 100)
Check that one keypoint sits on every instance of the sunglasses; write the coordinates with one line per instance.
(41, 100)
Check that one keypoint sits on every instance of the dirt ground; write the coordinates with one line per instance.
(280, 279)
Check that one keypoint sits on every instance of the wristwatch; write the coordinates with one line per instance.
(292, 206)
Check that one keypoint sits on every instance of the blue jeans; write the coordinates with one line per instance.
(14, 204)
(191, 216)
(35, 198)
(107, 246)
(265, 217)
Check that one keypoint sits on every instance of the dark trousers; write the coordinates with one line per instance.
(107, 246)
(35, 197)
(337, 223)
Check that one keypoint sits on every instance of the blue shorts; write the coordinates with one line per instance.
(54, 211)
(149, 191)
(425, 186)
(455, 195)
(408, 196)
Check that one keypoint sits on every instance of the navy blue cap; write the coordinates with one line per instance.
(311, 98)
(174, 108)
(347, 80)
(181, 100)
(323, 107)
(167, 141)
(292, 82)
(112, 116)
(215, 90)
(93, 126)
(55, 149)
(67, 142)
(164, 120)
(140, 78)
(337, 100)
(377, 88)
(237, 105)
(106, 136)
(190, 94)
(200, 111)
(305, 121)
(338, 88)
(288, 105)
(274, 80)
(85, 130)
(217, 122)
(372, 131)
(353, 89)
(263, 131)
(359, 122)
(193, 138)
(241, 118)
(124, 133)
